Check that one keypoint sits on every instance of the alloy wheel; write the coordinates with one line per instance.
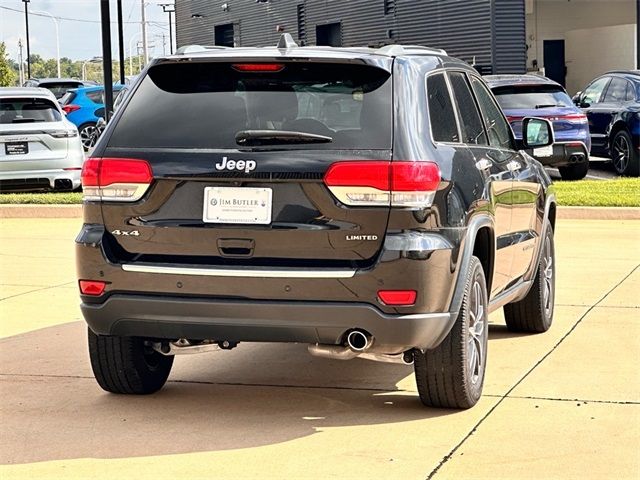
(87, 135)
(621, 153)
(476, 339)
(548, 290)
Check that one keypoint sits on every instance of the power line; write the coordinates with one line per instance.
(83, 20)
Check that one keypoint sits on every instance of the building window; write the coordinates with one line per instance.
(329, 34)
(223, 35)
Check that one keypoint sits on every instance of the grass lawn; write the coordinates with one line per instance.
(622, 192)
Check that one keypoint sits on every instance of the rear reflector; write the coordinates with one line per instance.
(397, 297)
(258, 67)
(92, 287)
(115, 179)
(382, 183)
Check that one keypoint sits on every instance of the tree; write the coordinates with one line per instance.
(7, 73)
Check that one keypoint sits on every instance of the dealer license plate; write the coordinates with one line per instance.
(237, 205)
(16, 148)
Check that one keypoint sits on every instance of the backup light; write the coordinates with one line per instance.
(115, 179)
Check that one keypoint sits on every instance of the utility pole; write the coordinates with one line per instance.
(105, 20)
(121, 42)
(26, 22)
(170, 8)
(20, 64)
(144, 34)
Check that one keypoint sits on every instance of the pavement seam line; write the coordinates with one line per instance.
(580, 400)
(449, 455)
(36, 290)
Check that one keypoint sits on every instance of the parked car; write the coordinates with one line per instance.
(58, 86)
(101, 124)
(82, 106)
(238, 206)
(612, 105)
(523, 96)
(39, 148)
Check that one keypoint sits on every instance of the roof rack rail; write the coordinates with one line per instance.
(198, 48)
(398, 50)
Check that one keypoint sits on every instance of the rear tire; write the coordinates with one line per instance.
(534, 313)
(86, 132)
(576, 171)
(452, 374)
(127, 364)
(625, 158)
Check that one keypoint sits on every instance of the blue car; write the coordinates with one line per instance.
(535, 96)
(612, 105)
(84, 106)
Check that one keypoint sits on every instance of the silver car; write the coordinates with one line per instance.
(39, 148)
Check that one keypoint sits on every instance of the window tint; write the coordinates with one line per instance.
(593, 92)
(528, 97)
(60, 88)
(441, 115)
(470, 121)
(617, 90)
(67, 98)
(96, 96)
(28, 110)
(497, 126)
(205, 104)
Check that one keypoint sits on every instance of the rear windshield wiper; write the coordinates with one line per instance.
(551, 105)
(274, 137)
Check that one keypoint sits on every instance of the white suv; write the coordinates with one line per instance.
(39, 148)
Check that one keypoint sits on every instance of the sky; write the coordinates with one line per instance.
(79, 40)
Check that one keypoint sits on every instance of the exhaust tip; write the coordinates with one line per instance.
(358, 341)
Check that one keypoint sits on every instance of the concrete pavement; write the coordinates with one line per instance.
(565, 404)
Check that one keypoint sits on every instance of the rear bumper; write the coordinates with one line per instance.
(564, 153)
(40, 179)
(262, 321)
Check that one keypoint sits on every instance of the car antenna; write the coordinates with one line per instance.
(286, 41)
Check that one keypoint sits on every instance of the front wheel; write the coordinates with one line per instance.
(534, 313)
(127, 364)
(625, 158)
(452, 374)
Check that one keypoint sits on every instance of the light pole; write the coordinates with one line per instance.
(84, 65)
(169, 8)
(131, 53)
(55, 22)
(26, 23)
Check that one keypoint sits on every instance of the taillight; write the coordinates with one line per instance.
(115, 179)
(63, 133)
(397, 297)
(579, 118)
(92, 287)
(381, 183)
(70, 108)
(513, 118)
(258, 67)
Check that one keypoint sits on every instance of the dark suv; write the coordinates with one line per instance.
(370, 203)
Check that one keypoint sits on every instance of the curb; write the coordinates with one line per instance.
(75, 211)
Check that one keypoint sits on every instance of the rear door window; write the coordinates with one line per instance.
(495, 123)
(96, 96)
(617, 90)
(441, 114)
(28, 110)
(207, 104)
(470, 121)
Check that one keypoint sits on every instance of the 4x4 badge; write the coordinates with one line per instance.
(126, 233)
(246, 165)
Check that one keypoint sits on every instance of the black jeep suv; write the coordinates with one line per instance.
(369, 203)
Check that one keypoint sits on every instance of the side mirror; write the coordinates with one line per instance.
(537, 132)
(576, 99)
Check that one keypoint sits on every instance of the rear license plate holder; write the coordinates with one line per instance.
(16, 148)
(238, 205)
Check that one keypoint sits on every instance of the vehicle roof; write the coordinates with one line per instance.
(512, 80)
(92, 88)
(26, 92)
(629, 74)
(56, 80)
(311, 52)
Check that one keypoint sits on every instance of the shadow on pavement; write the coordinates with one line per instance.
(52, 409)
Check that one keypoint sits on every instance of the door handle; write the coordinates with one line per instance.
(483, 164)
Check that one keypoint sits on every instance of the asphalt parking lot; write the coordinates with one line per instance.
(565, 404)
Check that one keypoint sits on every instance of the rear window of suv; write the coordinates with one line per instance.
(28, 110)
(531, 97)
(204, 105)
